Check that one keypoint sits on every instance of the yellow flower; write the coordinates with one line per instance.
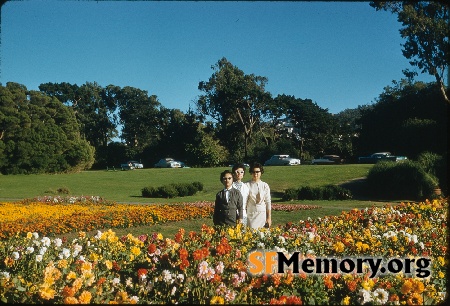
(339, 247)
(441, 274)
(29, 235)
(217, 300)
(70, 300)
(231, 232)
(62, 264)
(86, 267)
(135, 250)
(368, 284)
(108, 264)
(159, 236)
(441, 260)
(47, 293)
(406, 287)
(77, 284)
(94, 257)
(85, 297)
(71, 275)
(346, 301)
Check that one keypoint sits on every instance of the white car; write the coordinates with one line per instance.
(168, 163)
(132, 164)
(136, 164)
(282, 160)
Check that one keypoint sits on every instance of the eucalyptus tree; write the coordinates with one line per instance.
(42, 137)
(314, 128)
(236, 102)
(94, 112)
(425, 28)
(139, 116)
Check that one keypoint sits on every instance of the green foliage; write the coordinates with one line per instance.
(328, 192)
(39, 134)
(172, 190)
(403, 180)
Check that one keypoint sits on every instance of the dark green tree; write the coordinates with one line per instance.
(236, 102)
(407, 119)
(425, 28)
(44, 137)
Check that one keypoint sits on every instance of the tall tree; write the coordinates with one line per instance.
(236, 101)
(425, 27)
(42, 137)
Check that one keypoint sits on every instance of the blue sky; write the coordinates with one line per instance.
(338, 54)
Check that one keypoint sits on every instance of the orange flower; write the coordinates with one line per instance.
(415, 299)
(352, 285)
(184, 264)
(328, 282)
(183, 253)
(151, 248)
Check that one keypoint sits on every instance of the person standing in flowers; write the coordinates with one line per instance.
(238, 174)
(259, 204)
(228, 202)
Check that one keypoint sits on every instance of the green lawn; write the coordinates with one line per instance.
(125, 186)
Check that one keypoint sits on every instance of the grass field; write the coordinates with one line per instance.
(126, 186)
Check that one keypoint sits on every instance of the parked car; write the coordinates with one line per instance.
(168, 163)
(327, 160)
(282, 160)
(136, 164)
(130, 165)
(376, 157)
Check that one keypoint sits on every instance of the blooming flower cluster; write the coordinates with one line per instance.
(211, 266)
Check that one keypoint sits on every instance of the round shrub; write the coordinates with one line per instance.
(198, 185)
(182, 189)
(306, 193)
(290, 194)
(167, 191)
(149, 192)
(406, 181)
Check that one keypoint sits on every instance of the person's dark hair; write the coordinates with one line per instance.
(256, 165)
(223, 174)
(237, 166)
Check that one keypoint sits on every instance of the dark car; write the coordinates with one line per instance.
(327, 160)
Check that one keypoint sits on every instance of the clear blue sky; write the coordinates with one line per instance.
(338, 54)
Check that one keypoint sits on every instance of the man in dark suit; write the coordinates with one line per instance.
(228, 206)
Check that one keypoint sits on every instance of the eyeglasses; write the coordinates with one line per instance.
(256, 171)
(227, 178)
(241, 172)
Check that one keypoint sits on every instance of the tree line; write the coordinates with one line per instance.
(66, 127)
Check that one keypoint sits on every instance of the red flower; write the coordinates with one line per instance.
(142, 273)
(151, 248)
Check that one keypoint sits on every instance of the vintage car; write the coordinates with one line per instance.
(327, 160)
(130, 165)
(282, 160)
(168, 163)
(376, 157)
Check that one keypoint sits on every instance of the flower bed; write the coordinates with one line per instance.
(59, 215)
(211, 266)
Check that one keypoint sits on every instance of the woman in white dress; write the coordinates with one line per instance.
(259, 209)
(238, 173)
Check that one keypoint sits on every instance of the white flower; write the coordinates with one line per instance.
(46, 241)
(15, 255)
(260, 245)
(57, 242)
(202, 268)
(5, 274)
(180, 277)
(219, 268)
(39, 258)
(380, 296)
(174, 289)
(364, 296)
(281, 239)
(116, 281)
(35, 235)
(29, 250)
(65, 253)
(167, 277)
(99, 234)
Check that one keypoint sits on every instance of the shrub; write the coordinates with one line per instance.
(167, 191)
(63, 190)
(290, 194)
(405, 180)
(149, 192)
(198, 185)
(172, 190)
(329, 192)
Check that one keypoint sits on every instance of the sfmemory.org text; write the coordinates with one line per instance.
(268, 262)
